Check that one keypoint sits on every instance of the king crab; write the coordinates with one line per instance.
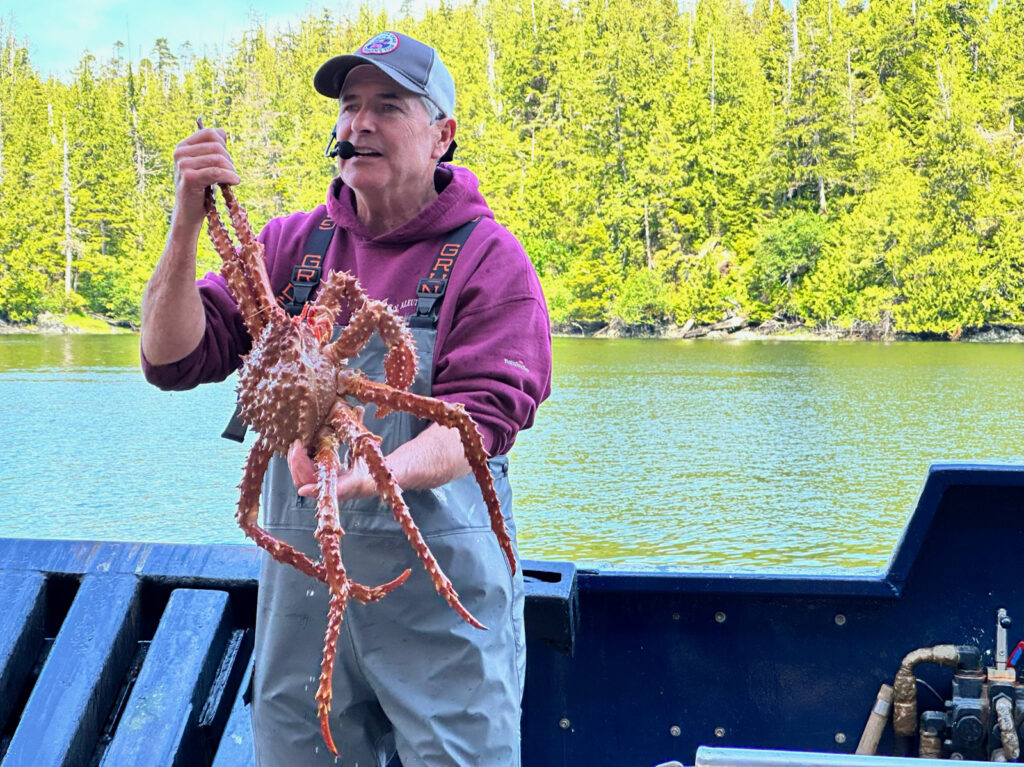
(294, 384)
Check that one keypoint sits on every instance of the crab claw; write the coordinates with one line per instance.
(325, 732)
(366, 594)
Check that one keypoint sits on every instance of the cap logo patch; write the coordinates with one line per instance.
(380, 44)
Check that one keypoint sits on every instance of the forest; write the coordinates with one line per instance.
(826, 163)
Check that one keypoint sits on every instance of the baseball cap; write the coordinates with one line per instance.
(407, 61)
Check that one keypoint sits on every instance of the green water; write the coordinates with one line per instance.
(649, 453)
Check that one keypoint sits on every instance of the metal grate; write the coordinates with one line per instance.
(114, 670)
(124, 654)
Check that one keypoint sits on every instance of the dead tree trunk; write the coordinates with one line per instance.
(794, 52)
(647, 235)
(712, 86)
(796, 37)
(69, 250)
(942, 89)
(853, 107)
(1, 144)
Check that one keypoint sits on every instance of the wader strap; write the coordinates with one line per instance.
(306, 274)
(432, 287)
(294, 296)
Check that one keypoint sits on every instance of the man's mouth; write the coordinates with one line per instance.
(366, 153)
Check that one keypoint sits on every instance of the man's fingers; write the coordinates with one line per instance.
(203, 159)
(204, 135)
(201, 177)
(301, 467)
(200, 161)
(352, 483)
(216, 161)
(185, 150)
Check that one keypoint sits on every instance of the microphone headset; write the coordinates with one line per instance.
(346, 150)
(342, 149)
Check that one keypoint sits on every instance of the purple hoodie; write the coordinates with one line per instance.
(493, 349)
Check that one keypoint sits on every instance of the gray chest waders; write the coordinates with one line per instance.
(410, 674)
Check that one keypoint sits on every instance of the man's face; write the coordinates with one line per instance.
(397, 145)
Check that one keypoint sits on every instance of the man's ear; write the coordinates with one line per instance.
(445, 137)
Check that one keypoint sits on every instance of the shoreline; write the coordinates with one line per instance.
(735, 328)
(740, 329)
(69, 324)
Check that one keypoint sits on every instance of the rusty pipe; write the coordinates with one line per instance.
(1007, 732)
(904, 700)
(931, 745)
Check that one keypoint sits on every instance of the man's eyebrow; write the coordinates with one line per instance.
(392, 95)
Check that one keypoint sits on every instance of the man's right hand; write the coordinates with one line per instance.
(200, 161)
(172, 312)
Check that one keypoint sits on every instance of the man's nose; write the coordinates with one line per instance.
(362, 120)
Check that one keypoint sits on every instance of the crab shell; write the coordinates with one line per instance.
(286, 386)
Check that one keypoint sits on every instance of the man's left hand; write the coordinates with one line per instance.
(354, 482)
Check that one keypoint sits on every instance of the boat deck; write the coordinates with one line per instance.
(137, 654)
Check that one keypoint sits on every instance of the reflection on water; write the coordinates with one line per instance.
(63, 353)
(649, 453)
(801, 454)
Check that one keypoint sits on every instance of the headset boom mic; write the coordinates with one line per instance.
(346, 150)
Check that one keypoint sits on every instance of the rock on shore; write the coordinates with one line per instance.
(741, 328)
(52, 324)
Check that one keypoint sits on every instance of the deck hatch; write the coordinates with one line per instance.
(77, 684)
(160, 722)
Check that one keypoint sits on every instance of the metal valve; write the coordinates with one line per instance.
(1003, 622)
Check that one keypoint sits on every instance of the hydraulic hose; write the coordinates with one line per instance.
(904, 702)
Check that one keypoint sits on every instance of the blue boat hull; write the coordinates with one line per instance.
(141, 651)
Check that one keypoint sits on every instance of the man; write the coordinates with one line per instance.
(411, 676)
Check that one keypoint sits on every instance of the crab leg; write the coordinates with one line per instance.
(452, 415)
(365, 445)
(247, 515)
(243, 267)
(367, 315)
(328, 534)
(340, 587)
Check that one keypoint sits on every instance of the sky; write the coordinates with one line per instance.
(59, 31)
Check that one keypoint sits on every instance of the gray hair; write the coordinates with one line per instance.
(433, 110)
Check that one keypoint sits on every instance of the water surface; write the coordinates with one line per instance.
(651, 453)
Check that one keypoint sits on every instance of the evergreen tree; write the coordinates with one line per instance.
(832, 163)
